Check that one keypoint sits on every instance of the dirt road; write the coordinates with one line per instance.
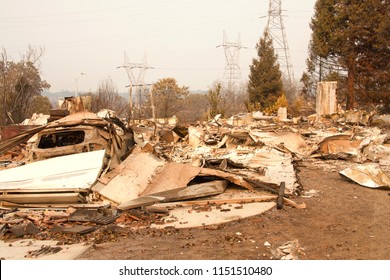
(342, 221)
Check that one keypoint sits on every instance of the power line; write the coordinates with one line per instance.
(232, 73)
(137, 83)
(277, 32)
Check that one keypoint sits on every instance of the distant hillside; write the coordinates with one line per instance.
(55, 96)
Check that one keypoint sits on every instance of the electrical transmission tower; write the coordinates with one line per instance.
(138, 83)
(232, 73)
(275, 29)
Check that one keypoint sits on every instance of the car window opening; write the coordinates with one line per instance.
(61, 139)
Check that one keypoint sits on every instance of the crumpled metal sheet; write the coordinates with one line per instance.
(293, 142)
(340, 144)
(370, 176)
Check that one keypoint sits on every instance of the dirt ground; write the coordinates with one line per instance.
(342, 221)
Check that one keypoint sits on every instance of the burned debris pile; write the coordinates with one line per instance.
(92, 174)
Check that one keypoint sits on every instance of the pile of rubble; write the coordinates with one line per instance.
(83, 173)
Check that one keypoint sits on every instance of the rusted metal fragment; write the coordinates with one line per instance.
(79, 229)
(99, 216)
(44, 250)
(24, 229)
(51, 206)
(23, 137)
(281, 195)
(190, 192)
(53, 198)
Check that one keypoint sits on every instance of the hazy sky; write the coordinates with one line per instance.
(178, 37)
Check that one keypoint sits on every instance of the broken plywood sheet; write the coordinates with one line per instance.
(77, 171)
(370, 176)
(171, 176)
(178, 175)
(190, 216)
(190, 192)
(136, 173)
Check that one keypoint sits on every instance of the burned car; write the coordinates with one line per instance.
(81, 132)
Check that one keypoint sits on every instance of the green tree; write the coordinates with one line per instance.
(310, 78)
(354, 35)
(265, 79)
(168, 96)
(280, 102)
(20, 82)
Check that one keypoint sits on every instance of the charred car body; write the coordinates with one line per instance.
(81, 132)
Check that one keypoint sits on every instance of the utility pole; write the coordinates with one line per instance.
(151, 97)
(76, 82)
(152, 102)
(138, 83)
(232, 73)
(275, 29)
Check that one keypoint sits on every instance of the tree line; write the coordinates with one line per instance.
(349, 44)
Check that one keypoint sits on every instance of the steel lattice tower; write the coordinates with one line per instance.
(137, 83)
(275, 29)
(232, 73)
